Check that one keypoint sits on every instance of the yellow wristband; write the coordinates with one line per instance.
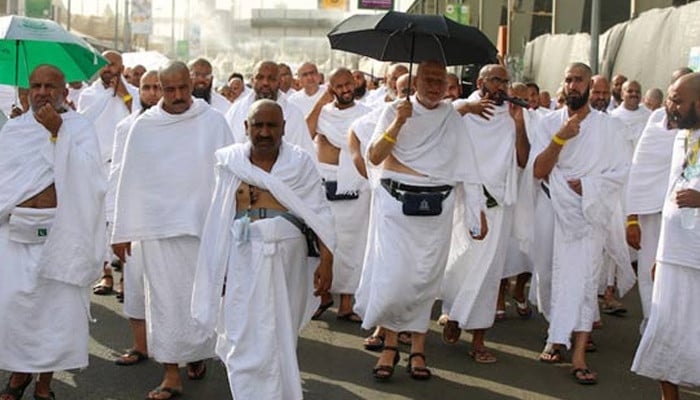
(53, 138)
(127, 98)
(632, 222)
(557, 140)
(388, 138)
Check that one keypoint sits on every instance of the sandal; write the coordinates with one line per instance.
(523, 308)
(51, 396)
(374, 343)
(102, 289)
(451, 332)
(131, 357)
(196, 370)
(16, 392)
(483, 356)
(172, 393)
(404, 337)
(350, 317)
(418, 373)
(383, 373)
(551, 356)
(321, 309)
(579, 375)
(500, 315)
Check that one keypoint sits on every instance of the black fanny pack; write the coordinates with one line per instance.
(332, 188)
(418, 200)
(490, 200)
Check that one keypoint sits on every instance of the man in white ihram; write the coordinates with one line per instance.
(256, 247)
(51, 236)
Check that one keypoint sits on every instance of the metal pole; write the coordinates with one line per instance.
(126, 31)
(116, 24)
(172, 29)
(481, 15)
(509, 24)
(68, 18)
(595, 34)
(633, 9)
(554, 17)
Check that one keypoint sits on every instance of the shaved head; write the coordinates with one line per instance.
(173, 67)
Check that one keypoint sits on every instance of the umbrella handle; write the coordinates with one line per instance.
(410, 66)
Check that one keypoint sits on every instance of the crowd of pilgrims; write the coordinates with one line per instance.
(265, 201)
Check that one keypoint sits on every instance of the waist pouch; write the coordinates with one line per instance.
(31, 225)
(418, 200)
(332, 188)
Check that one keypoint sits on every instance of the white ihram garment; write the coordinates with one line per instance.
(48, 257)
(267, 272)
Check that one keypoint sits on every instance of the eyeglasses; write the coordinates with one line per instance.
(201, 75)
(498, 81)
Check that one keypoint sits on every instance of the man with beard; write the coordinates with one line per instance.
(599, 96)
(417, 156)
(51, 236)
(361, 93)
(133, 75)
(454, 87)
(670, 347)
(106, 102)
(163, 193)
(646, 190)
(473, 275)
(580, 164)
(267, 196)
(311, 88)
(347, 191)
(387, 93)
(134, 308)
(286, 79)
(616, 91)
(266, 86)
(203, 85)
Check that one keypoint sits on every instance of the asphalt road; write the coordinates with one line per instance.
(335, 366)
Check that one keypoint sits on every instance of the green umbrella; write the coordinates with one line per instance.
(26, 43)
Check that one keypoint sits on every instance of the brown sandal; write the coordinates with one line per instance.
(383, 373)
(418, 373)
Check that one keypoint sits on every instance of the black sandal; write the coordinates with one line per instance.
(102, 289)
(196, 370)
(383, 373)
(16, 392)
(51, 396)
(131, 357)
(418, 373)
(374, 343)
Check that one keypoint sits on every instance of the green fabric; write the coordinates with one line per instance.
(26, 43)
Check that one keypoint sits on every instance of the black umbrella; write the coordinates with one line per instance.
(401, 37)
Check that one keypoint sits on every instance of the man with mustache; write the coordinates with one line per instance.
(266, 86)
(51, 236)
(149, 95)
(599, 96)
(361, 92)
(347, 191)
(631, 113)
(387, 93)
(203, 85)
(472, 279)
(267, 200)
(311, 90)
(581, 166)
(286, 79)
(669, 350)
(616, 91)
(162, 197)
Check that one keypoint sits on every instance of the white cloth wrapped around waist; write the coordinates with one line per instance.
(31, 225)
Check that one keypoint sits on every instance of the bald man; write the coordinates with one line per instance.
(631, 112)
(345, 188)
(387, 93)
(616, 91)
(599, 96)
(670, 347)
(311, 88)
(162, 197)
(266, 198)
(202, 76)
(580, 165)
(266, 86)
(653, 99)
(51, 236)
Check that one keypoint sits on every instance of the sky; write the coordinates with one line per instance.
(240, 7)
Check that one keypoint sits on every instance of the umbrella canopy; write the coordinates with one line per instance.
(26, 43)
(401, 37)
